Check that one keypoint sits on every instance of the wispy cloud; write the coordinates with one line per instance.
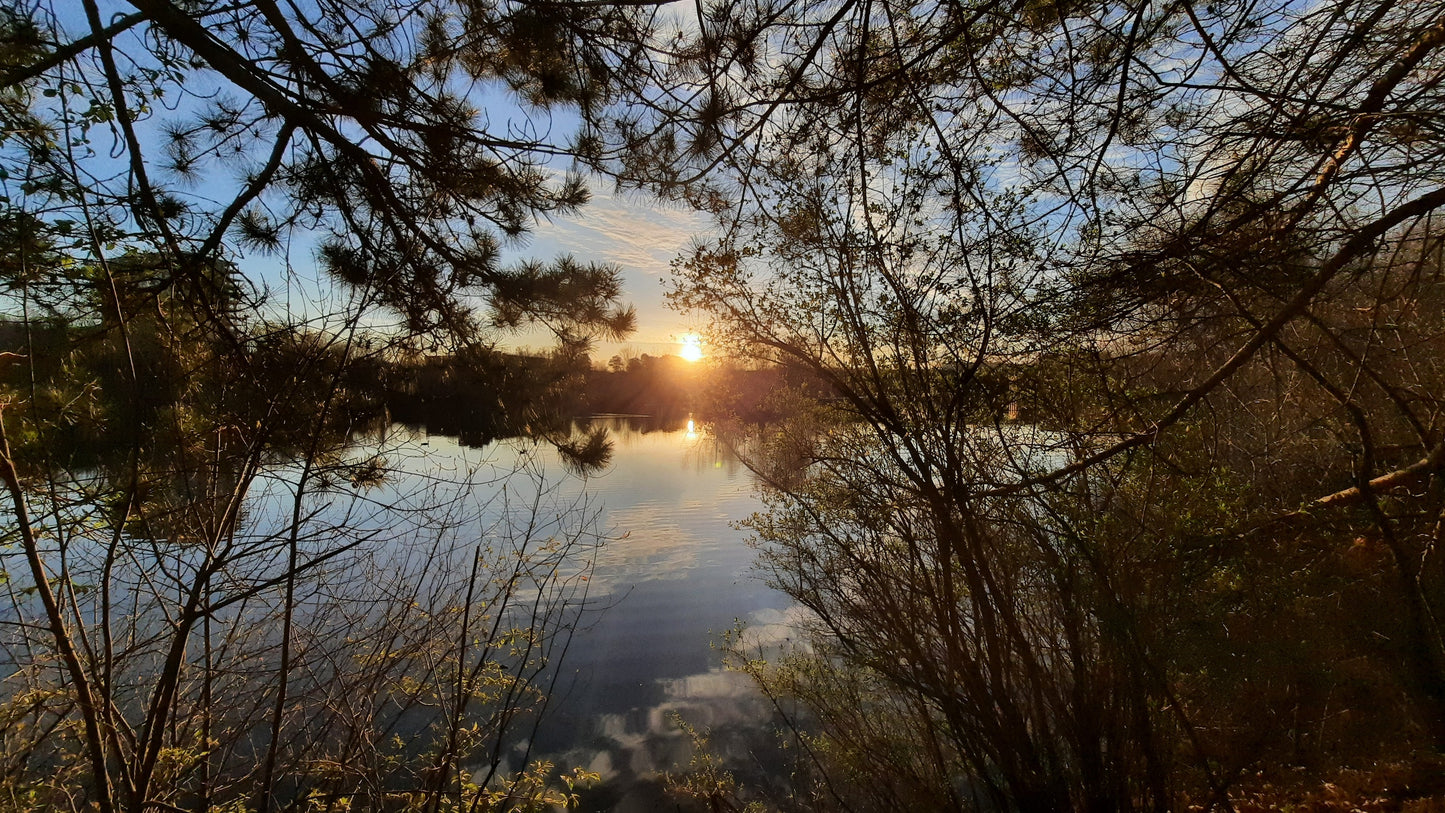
(638, 234)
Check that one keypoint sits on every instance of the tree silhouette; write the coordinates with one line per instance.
(1194, 247)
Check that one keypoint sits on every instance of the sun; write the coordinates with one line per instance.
(691, 347)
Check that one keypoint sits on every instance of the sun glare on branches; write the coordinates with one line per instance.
(691, 347)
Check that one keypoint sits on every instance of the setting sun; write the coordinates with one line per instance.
(691, 347)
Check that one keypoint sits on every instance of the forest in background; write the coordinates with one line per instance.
(1108, 459)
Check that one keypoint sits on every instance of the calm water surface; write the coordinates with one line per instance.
(673, 577)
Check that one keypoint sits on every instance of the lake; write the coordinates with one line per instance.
(674, 575)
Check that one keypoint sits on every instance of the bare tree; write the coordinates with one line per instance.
(1193, 248)
(229, 603)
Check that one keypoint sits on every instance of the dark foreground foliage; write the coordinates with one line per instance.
(1195, 251)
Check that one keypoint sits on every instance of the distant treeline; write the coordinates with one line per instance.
(483, 395)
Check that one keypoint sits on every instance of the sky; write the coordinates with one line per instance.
(633, 231)
(640, 235)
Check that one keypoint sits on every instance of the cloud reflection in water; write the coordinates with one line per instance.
(664, 592)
